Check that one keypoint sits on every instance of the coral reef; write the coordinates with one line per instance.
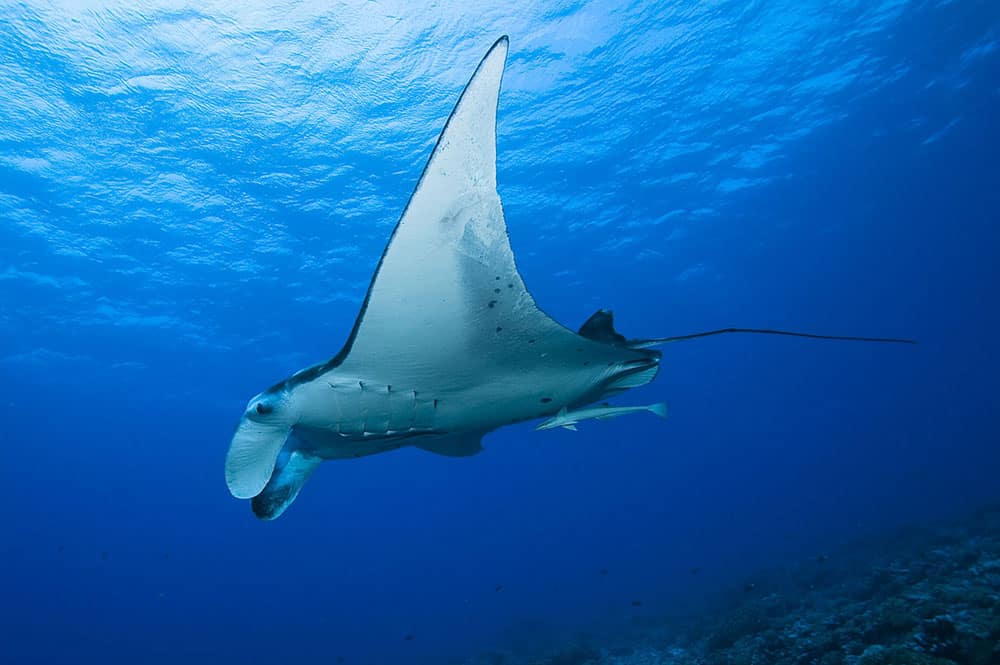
(920, 596)
(928, 596)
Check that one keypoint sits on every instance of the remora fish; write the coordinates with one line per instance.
(568, 419)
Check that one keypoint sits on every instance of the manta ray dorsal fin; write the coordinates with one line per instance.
(600, 327)
(447, 292)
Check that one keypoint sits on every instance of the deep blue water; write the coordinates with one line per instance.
(192, 202)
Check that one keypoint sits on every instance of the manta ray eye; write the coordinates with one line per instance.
(263, 409)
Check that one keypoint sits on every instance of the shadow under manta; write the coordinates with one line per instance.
(449, 344)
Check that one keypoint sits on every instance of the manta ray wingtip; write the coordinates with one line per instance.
(503, 42)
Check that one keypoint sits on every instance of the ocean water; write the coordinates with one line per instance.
(193, 198)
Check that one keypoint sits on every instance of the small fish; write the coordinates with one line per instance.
(695, 570)
(604, 571)
(408, 637)
(568, 419)
(749, 586)
(636, 603)
(499, 587)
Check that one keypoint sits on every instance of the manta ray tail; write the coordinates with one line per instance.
(601, 327)
(643, 343)
(290, 473)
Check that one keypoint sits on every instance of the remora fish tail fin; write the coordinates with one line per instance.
(252, 454)
(290, 474)
(644, 343)
(569, 426)
(660, 409)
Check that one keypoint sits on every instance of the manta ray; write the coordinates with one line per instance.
(449, 344)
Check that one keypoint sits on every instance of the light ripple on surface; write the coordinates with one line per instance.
(161, 147)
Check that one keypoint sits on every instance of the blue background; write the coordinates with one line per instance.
(193, 199)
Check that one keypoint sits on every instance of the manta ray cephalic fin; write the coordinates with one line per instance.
(291, 472)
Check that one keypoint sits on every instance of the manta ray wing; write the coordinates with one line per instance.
(447, 299)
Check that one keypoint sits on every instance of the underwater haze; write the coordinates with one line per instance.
(194, 197)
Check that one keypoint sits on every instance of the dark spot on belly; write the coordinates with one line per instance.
(388, 388)
(496, 290)
(546, 400)
(586, 362)
(498, 278)
(531, 341)
(499, 328)
(510, 286)
(492, 304)
(435, 404)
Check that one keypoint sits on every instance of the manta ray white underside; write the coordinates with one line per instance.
(448, 345)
